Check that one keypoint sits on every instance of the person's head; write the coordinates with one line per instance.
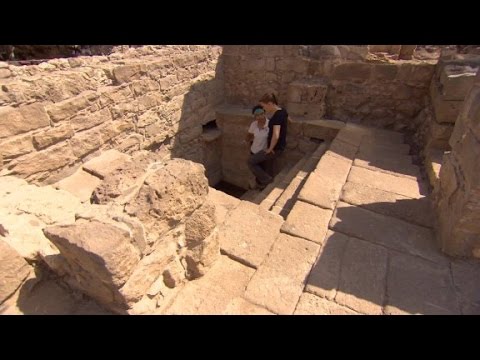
(269, 102)
(258, 113)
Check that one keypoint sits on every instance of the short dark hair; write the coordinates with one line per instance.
(269, 98)
(256, 107)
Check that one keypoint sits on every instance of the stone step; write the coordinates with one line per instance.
(248, 233)
(271, 189)
(279, 281)
(384, 230)
(388, 182)
(213, 293)
(313, 305)
(416, 211)
(285, 202)
(324, 185)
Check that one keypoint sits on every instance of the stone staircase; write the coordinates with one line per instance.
(355, 237)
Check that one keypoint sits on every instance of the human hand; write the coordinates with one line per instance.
(268, 151)
(3, 231)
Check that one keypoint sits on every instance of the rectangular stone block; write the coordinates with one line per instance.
(16, 146)
(325, 275)
(456, 81)
(249, 244)
(15, 121)
(350, 71)
(387, 182)
(67, 108)
(307, 221)
(324, 185)
(363, 277)
(387, 231)
(52, 136)
(277, 285)
(416, 286)
(386, 72)
(313, 305)
(417, 211)
(53, 158)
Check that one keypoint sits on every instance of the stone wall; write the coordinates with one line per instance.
(457, 195)
(56, 115)
(336, 82)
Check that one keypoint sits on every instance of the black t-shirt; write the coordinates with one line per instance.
(279, 118)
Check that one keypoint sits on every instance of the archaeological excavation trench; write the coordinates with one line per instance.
(124, 186)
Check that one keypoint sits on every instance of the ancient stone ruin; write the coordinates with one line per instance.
(124, 185)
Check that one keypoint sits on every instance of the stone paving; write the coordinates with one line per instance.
(358, 240)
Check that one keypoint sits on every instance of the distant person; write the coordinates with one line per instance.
(257, 135)
(277, 139)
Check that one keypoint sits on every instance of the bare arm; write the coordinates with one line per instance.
(275, 137)
(249, 137)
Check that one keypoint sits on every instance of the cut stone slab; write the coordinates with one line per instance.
(13, 269)
(81, 184)
(325, 275)
(466, 279)
(420, 287)
(362, 277)
(399, 165)
(313, 305)
(324, 185)
(240, 306)
(387, 231)
(417, 211)
(213, 293)
(342, 149)
(387, 182)
(279, 282)
(248, 233)
(107, 162)
(307, 221)
(368, 147)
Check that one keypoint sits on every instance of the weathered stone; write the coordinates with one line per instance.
(417, 211)
(433, 164)
(465, 278)
(317, 129)
(416, 73)
(277, 285)
(86, 142)
(127, 73)
(313, 305)
(52, 136)
(87, 121)
(16, 146)
(149, 269)
(325, 275)
(363, 277)
(398, 165)
(386, 72)
(5, 73)
(456, 81)
(14, 270)
(15, 121)
(342, 149)
(70, 107)
(81, 184)
(169, 194)
(214, 292)
(324, 185)
(308, 222)
(107, 162)
(102, 256)
(240, 306)
(200, 257)
(348, 71)
(200, 224)
(223, 203)
(387, 231)
(248, 233)
(53, 158)
(419, 287)
(387, 182)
